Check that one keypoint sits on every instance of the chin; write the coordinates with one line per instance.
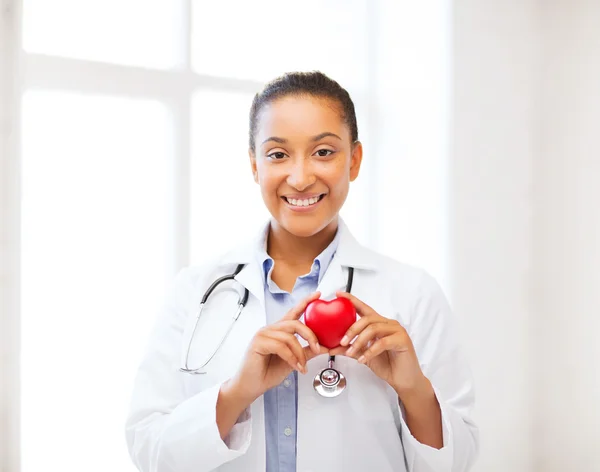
(304, 227)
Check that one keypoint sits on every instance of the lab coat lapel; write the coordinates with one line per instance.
(350, 253)
(332, 280)
(251, 276)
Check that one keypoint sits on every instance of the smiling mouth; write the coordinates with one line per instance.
(304, 202)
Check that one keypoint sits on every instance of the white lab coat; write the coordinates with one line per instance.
(172, 428)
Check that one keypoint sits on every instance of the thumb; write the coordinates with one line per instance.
(296, 312)
(310, 354)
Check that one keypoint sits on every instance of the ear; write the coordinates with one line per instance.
(253, 164)
(355, 160)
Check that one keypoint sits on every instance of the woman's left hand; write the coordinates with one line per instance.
(384, 346)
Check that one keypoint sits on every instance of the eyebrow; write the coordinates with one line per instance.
(315, 138)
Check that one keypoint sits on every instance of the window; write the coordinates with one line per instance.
(94, 259)
(134, 143)
(133, 125)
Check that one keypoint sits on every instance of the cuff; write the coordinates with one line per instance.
(238, 438)
(438, 460)
(192, 432)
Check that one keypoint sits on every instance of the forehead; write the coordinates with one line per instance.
(301, 116)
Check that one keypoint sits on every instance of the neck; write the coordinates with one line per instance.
(283, 245)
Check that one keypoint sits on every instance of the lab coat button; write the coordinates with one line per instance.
(287, 382)
(287, 431)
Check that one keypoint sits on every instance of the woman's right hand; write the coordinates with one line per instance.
(275, 351)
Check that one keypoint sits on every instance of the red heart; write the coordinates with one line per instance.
(330, 320)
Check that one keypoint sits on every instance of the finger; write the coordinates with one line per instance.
(361, 307)
(269, 345)
(310, 354)
(296, 312)
(358, 327)
(343, 350)
(374, 330)
(389, 343)
(292, 342)
(296, 327)
(336, 351)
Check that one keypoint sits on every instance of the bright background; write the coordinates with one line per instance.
(123, 141)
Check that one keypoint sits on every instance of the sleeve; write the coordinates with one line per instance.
(434, 333)
(165, 430)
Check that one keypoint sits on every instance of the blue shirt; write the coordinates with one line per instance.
(281, 402)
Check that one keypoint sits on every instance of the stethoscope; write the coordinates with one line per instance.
(329, 383)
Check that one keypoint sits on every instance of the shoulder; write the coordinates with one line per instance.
(410, 277)
(414, 293)
(199, 274)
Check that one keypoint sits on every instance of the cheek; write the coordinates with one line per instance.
(268, 179)
(337, 178)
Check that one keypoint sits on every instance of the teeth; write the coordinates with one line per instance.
(303, 203)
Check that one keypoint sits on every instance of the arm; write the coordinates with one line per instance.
(166, 429)
(423, 414)
(434, 332)
(231, 404)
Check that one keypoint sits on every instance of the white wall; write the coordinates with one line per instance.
(9, 238)
(567, 237)
(525, 232)
(491, 216)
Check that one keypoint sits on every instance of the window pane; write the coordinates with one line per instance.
(264, 38)
(130, 32)
(226, 203)
(94, 262)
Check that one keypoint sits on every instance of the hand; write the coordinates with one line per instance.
(275, 351)
(384, 346)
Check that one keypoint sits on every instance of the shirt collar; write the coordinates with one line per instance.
(318, 268)
(349, 252)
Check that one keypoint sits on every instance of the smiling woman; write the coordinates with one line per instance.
(308, 153)
(250, 410)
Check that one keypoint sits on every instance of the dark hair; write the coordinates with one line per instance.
(315, 84)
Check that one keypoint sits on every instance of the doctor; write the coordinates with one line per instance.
(409, 392)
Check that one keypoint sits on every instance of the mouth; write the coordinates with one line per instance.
(299, 204)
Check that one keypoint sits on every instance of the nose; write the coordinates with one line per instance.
(300, 174)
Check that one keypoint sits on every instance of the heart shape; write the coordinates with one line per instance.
(330, 320)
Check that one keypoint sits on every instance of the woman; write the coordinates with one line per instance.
(409, 392)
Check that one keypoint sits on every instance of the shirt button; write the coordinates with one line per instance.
(287, 382)
(287, 431)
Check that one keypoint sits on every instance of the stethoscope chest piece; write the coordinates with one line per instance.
(330, 382)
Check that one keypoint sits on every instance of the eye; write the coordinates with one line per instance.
(278, 155)
(324, 152)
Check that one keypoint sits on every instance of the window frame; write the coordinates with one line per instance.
(23, 71)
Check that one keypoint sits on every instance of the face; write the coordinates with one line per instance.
(304, 161)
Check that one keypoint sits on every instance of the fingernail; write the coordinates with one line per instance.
(350, 350)
(344, 341)
(318, 347)
(361, 359)
(300, 368)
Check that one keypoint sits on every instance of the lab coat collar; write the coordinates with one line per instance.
(350, 253)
